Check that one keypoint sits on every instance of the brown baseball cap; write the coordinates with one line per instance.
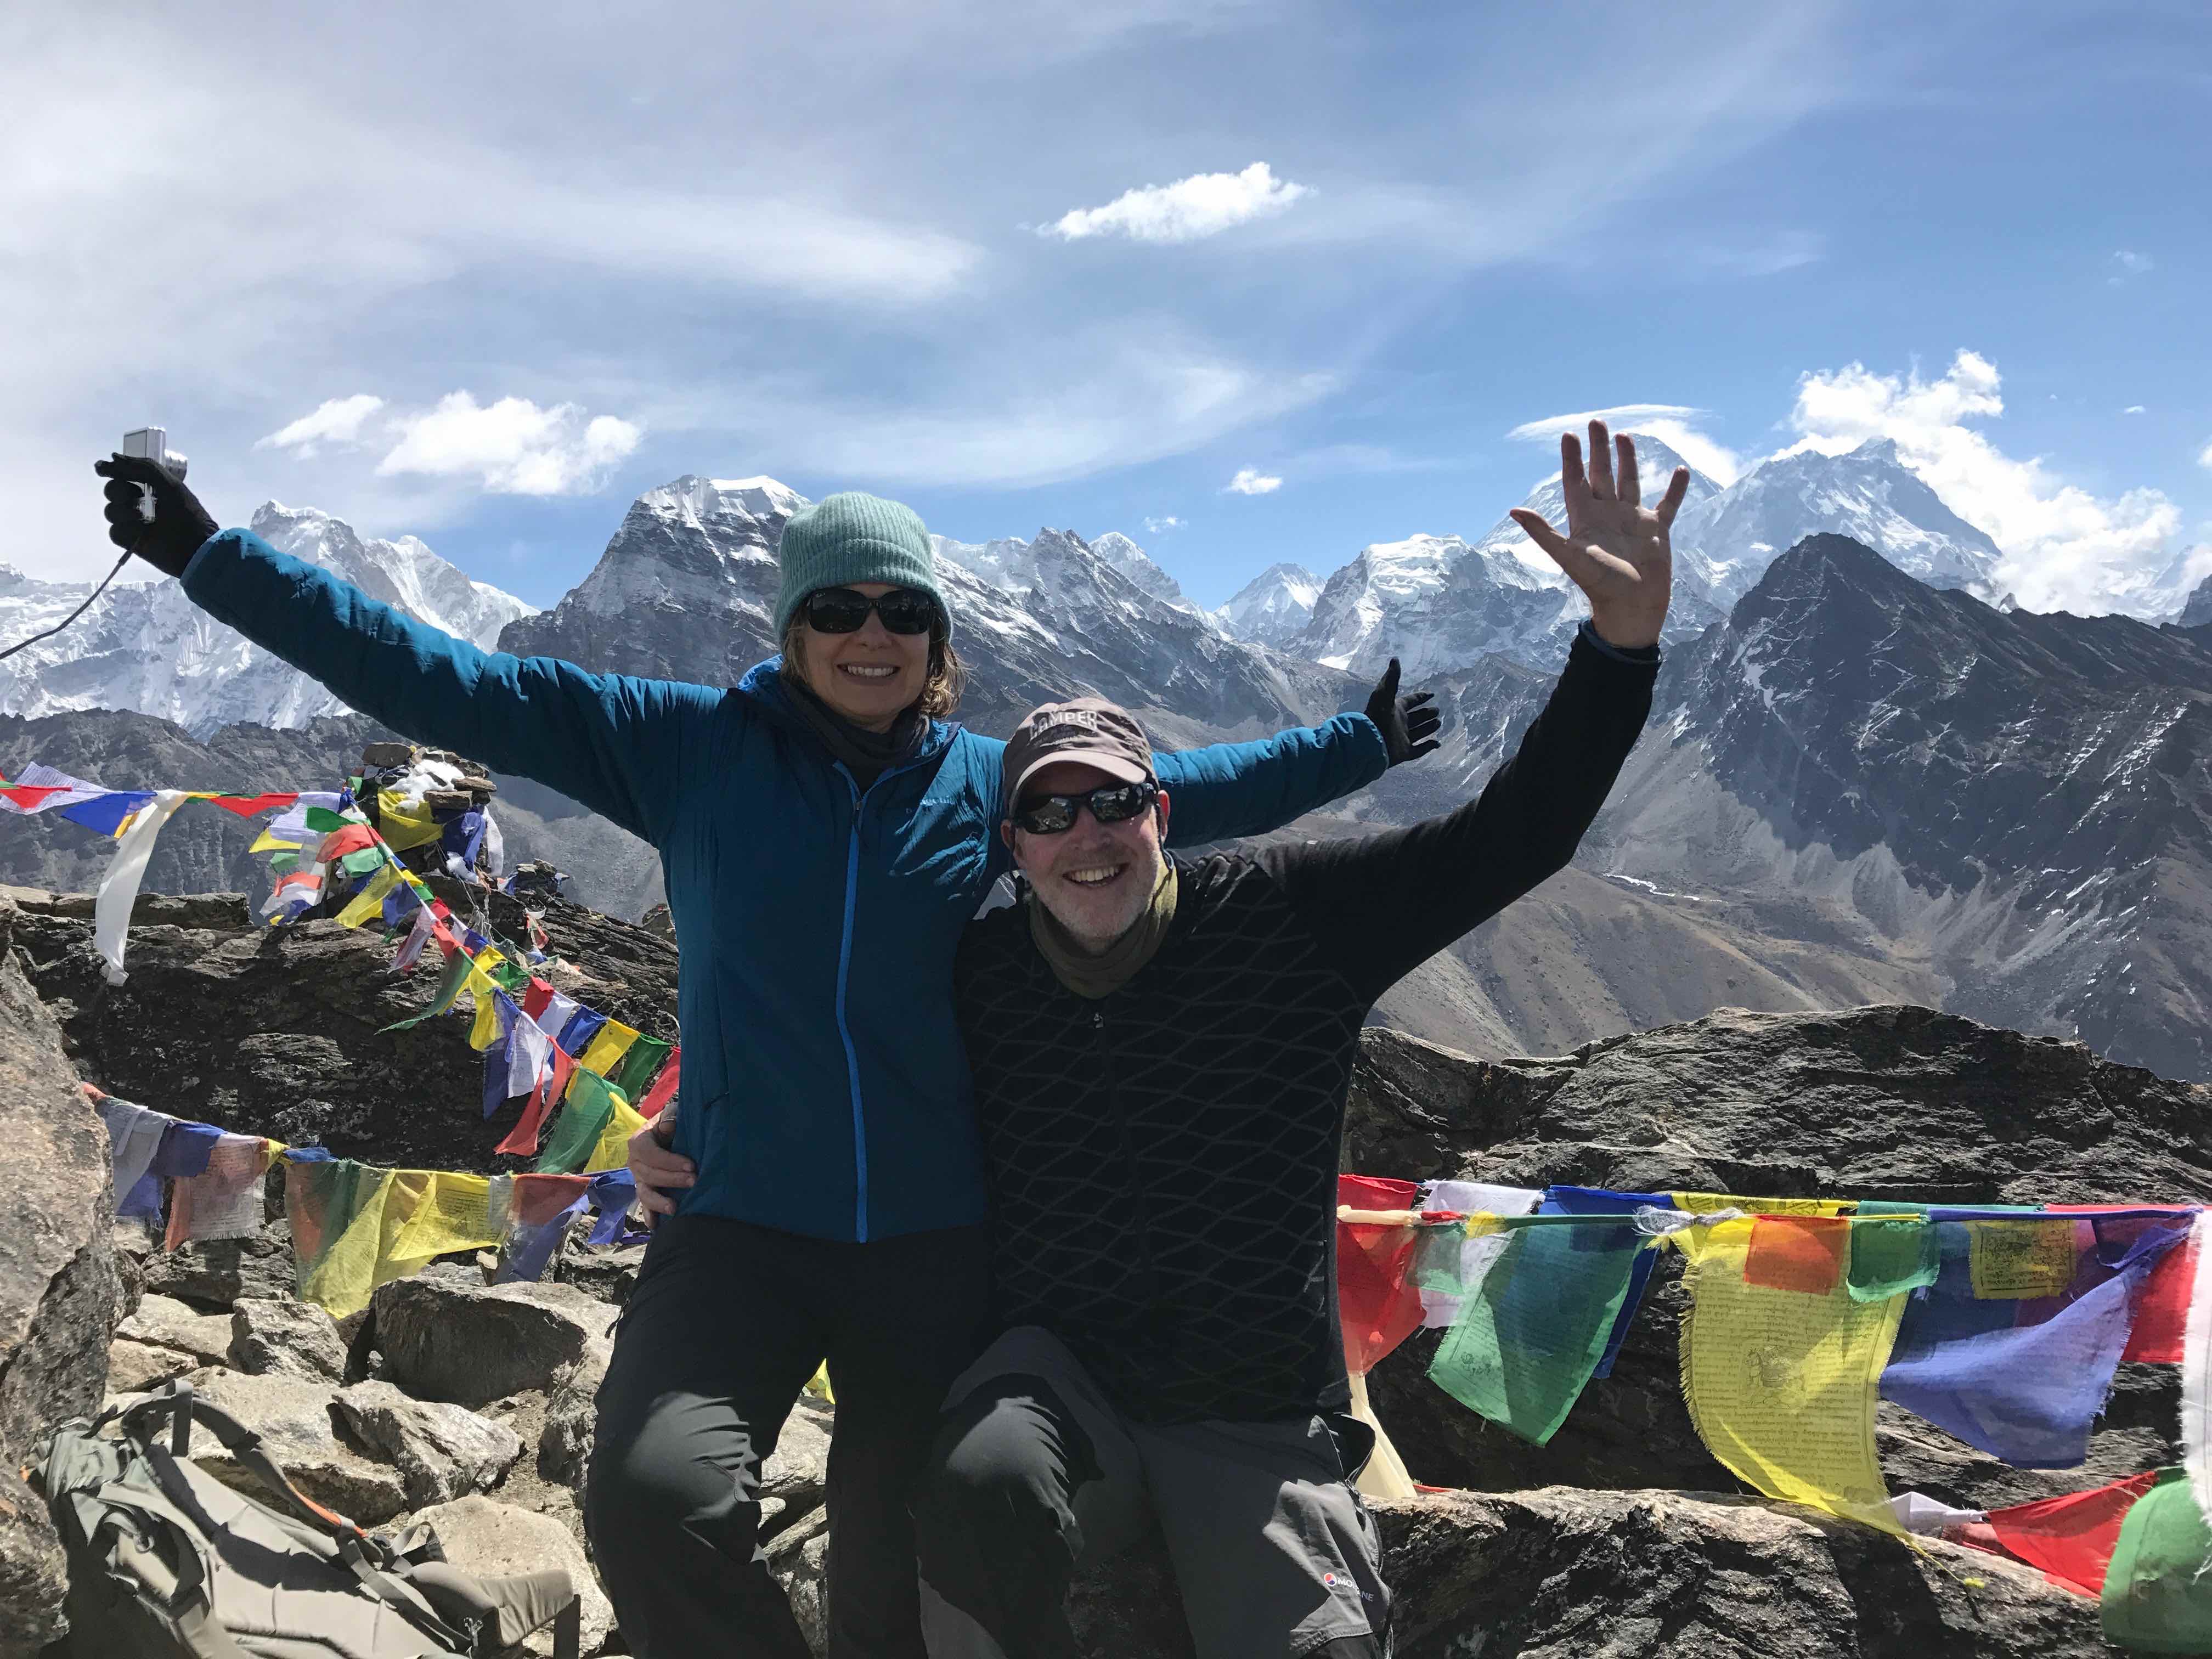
(1089, 730)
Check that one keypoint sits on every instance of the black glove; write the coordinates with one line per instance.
(180, 524)
(1408, 724)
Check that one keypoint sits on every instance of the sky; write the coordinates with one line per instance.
(1246, 281)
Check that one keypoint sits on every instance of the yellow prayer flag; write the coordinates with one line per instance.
(265, 842)
(1781, 1384)
(403, 826)
(612, 1151)
(2031, 1259)
(369, 903)
(485, 1032)
(818, 1385)
(454, 1214)
(349, 1271)
(605, 1052)
(1707, 1203)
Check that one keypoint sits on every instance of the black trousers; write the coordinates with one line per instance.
(726, 1324)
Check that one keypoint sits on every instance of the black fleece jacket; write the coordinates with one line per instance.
(1161, 1162)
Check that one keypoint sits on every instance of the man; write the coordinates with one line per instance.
(1161, 1048)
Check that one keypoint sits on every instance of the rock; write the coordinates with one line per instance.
(441, 1451)
(564, 1446)
(298, 1427)
(481, 1536)
(161, 1321)
(471, 1343)
(1666, 1575)
(799, 1473)
(1894, 1102)
(608, 1274)
(214, 1274)
(276, 1336)
(58, 1284)
(798, 1559)
(138, 1367)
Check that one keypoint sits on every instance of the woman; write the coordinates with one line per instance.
(825, 834)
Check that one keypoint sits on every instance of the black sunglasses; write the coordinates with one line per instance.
(1109, 803)
(844, 611)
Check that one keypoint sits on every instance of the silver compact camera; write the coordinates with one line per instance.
(151, 443)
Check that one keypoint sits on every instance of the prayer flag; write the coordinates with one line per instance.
(2162, 1305)
(224, 1199)
(537, 998)
(486, 1029)
(2071, 1537)
(1892, 1253)
(607, 1048)
(1596, 1200)
(454, 1214)
(118, 888)
(2022, 1379)
(369, 901)
(248, 807)
(640, 1064)
(664, 1086)
(1804, 1253)
(459, 967)
(1450, 1263)
(582, 1031)
(1528, 1340)
(612, 1151)
(108, 814)
(1780, 1384)
(576, 1131)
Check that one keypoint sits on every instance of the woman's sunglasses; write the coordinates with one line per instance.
(1110, 803)
(843, 611)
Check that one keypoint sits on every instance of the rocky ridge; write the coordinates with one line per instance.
(469, 1405)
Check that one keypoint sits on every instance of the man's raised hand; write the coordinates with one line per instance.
(1616, 549)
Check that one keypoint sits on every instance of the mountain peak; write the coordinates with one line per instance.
(1274, 607)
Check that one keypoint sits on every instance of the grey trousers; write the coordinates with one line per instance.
(1036, 1473)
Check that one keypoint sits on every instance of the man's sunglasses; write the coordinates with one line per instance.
(843, 611)
(1110, 803)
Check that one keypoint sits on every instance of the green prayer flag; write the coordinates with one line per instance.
(322, 818)
(1892, 1254)
(449, 988)
(2158, 1590)
(511, 976)
(280, 863)
(589, 1109)
(365, 862)
(1525, 1344)
(639, 1065)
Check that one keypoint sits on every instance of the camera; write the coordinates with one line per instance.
(151, 443)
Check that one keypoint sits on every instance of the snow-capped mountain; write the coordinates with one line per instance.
(1438, 603)
(144, 645)
(1273, 608)
(1868, 494)
(686, 590)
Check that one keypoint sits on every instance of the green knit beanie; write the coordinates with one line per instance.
(852, 538)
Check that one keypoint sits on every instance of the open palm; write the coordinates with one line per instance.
(1616, 549)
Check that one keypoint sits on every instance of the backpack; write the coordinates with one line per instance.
(167, 1562)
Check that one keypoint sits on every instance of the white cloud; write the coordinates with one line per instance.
(1204, 205)
(2133, 409)
(2129, 263)
(513, 447)
(2065, 549)
(1161, 526)
(1250, 480)
(334, 421)
(1671, 423)
(2204, 455)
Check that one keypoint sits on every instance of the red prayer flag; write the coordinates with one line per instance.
(1377, 1307)
(664, 1086)
(2071, 1537)
(537, 998)
(1802, 1253)
(522, 1138)
(247, 806)
(538, 1198)
(29, 795)
(354, 838)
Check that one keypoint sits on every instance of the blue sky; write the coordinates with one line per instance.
(886, 246)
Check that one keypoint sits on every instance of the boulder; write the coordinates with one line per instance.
(799, 1472)
(277, 1336)
(441, 1451)
(137, 1367)
(215, 1274)
(1667, 1575)
(450, 1338)
(161, 1321)
(1897, 1102)
(483, 1536)
(300, 1429)
(607, 1272)
(58, 1286)
(564, 1445)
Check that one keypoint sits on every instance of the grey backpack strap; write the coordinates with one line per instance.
(506, 1609)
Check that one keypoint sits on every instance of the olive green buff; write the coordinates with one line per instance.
(852, 538)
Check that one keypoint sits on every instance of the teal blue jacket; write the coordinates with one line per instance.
(825, 1091)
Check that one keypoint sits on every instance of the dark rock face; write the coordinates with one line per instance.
(1901, 1103)
(278, 1032)
(58, 1286)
